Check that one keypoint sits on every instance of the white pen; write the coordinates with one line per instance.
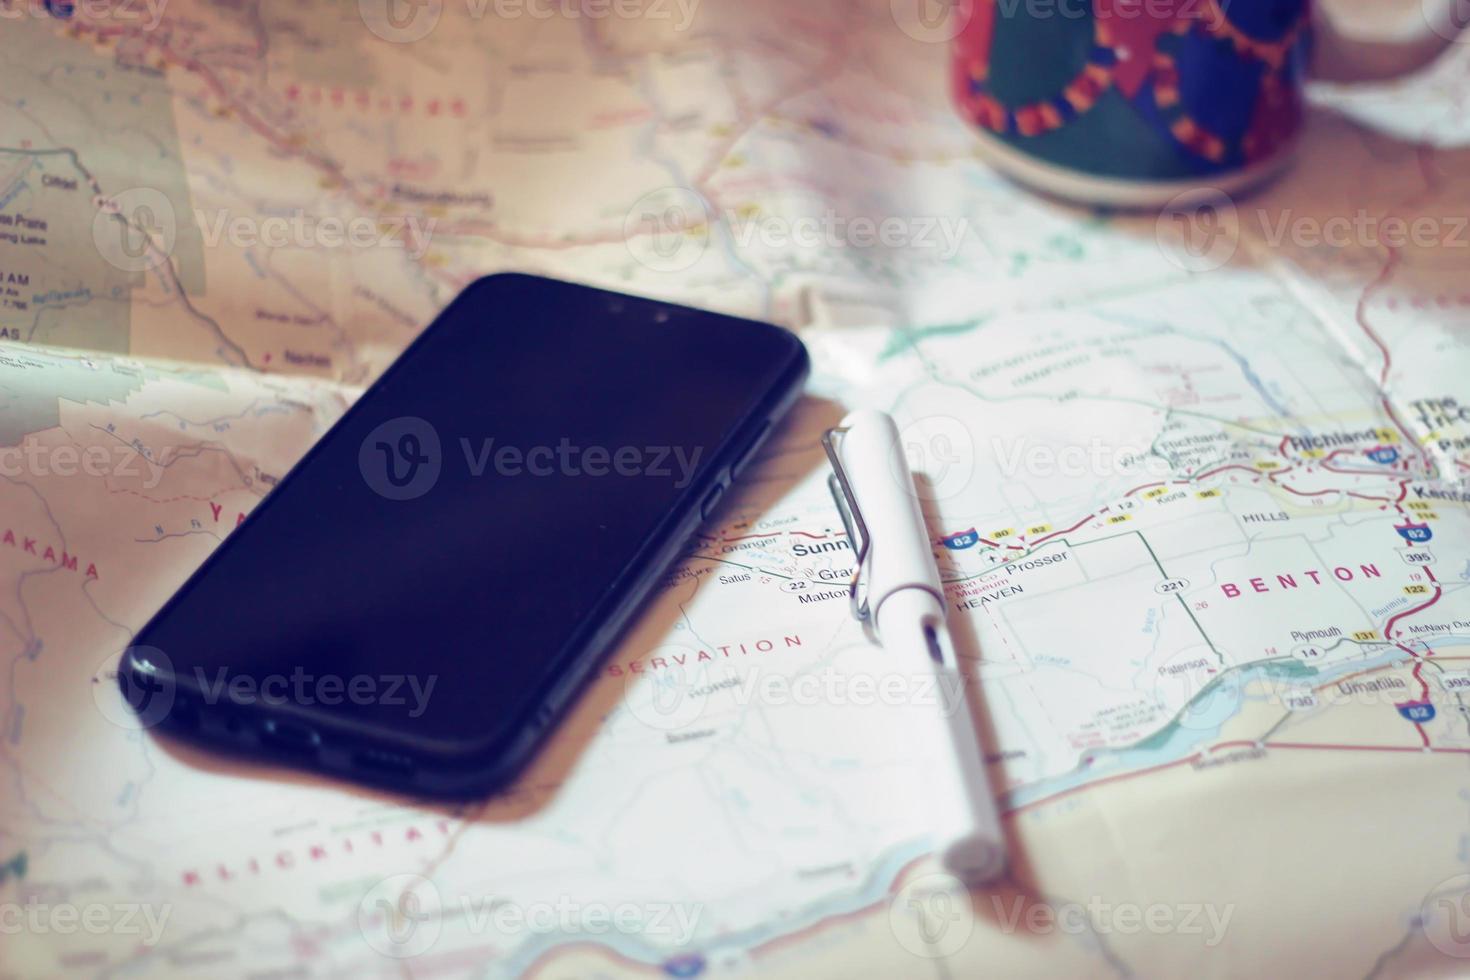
(898, 593)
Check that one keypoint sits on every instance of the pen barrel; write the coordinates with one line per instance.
(959, 807)
(899, 554)
(967, 832)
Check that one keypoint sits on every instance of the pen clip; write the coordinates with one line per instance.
(852, 521)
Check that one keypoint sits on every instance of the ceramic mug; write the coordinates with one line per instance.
(1129, 103)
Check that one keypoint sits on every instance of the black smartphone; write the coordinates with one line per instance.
(423, 594)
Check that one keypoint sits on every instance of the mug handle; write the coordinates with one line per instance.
(1410, 44)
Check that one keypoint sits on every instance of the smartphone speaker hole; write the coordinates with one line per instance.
(381, 762)
(290, 737)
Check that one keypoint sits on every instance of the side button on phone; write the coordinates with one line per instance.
(711, 501)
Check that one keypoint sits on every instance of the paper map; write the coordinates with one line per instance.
(1197, 485)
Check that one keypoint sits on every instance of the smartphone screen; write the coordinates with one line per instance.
(463, 535)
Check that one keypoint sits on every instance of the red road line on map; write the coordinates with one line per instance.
(1361, 315)
(747, 537)
(1424, 156)
(1336, 747)
(1308, 493)
(1423, 689)
(777, 534)
(1069, 530)
(1388, 630)
(1362, 312)
(1222, 469)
